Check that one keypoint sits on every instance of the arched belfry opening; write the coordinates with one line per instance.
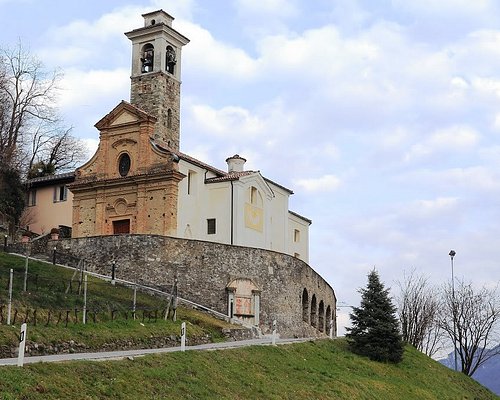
(305, 305)
(148, 58)
(171, 60)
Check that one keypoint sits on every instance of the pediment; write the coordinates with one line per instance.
(257, 180)
(124, 118)
(124, 114)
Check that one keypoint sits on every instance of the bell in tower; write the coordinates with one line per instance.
(147, 58)
(156, 73)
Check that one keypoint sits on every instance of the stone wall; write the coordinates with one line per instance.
(204, 269)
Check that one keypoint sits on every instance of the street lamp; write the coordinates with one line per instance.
(452, 254)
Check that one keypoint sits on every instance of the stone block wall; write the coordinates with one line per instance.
(204, 269)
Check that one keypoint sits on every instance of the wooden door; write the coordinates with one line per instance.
(121, 226)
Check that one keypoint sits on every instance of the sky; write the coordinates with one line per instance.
(383, 116)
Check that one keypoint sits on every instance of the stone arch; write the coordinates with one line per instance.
(328, 318)
(305, 305)
(148, 58)
(314, 311)
(321, 316)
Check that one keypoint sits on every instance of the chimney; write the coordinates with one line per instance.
(235, 163)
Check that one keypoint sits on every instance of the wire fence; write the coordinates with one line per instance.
(61, 297)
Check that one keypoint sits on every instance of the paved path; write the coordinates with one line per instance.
(110, 355)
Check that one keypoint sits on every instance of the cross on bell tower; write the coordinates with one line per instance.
(156, 73)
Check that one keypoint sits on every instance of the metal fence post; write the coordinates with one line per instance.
(9, 308)
(85, 299)
(26, 273)
(135, 300)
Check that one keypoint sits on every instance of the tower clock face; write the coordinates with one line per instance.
(124, 164)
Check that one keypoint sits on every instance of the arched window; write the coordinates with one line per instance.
(321, 316)
(305, 306)
(171, 59)
(314, 311)
(148, 58)
(255, 197)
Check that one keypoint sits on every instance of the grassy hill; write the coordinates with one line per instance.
(314, 370)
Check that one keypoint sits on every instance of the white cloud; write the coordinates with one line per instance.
(81, 88)
(431, 208)
(446, 6)
(208, 56)
(274, 8)
(228, 121)
(326, 183)
(91, 146)
(447, 140)
(470, 179)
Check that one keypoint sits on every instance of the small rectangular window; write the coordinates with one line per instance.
(211, 227)
(32, 198)
(296, 235)
(60, 193)
(63, 192)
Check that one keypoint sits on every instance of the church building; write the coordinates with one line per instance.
(138, 181)
(225, 235)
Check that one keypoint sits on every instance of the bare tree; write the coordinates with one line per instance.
(54, 151)
(28, 97)
(417, 309)
(30, 128)
(470, 318)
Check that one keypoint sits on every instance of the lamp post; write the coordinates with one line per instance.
(5, 243)
(452, 255)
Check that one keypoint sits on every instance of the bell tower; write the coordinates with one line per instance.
(156, 73)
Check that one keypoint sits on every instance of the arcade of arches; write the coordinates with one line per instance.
(316, 314)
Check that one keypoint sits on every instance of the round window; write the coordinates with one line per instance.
(124, 164)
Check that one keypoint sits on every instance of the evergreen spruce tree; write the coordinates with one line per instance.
(375, 329)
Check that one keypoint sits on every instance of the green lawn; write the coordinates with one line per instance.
(314, 370)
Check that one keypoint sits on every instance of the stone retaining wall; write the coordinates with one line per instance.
(204, 269)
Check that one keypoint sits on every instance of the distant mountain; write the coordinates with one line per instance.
(487, 375)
